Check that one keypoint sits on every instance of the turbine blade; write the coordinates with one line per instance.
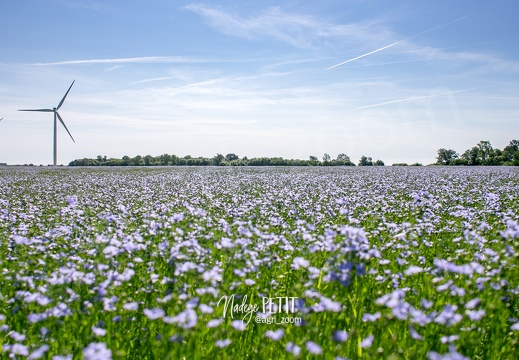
(1, 119)
(65, 126)
(63, 100)
(41, 110)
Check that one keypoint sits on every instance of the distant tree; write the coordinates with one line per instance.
(343, 157)
(326, 158)
(365, 161)
(230, 157)
(313, 158)
(259, 161)
(126, 160)
(138, 161)
(114, 162)
(511, 153)
(379, 163)
(471, 156)
(498, 157)
(236, 162)
(149, 160)
(165, 159)
(485, 153)
(206, 161)
(217, 160)
(460, 161)
(481, 154)
(445, 157)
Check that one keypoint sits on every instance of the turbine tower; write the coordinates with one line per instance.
(56, 117)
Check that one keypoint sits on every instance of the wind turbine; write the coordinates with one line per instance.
(57, 117)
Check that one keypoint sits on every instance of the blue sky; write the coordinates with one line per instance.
(258, 78)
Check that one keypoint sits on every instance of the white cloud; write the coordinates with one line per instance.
(366, 37)
(140, 60)
(298, 30)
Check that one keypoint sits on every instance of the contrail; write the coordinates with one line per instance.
(440, 26)
(152, 79)
(361, 56)
(144, 59)
(398, 42)
(420, 97)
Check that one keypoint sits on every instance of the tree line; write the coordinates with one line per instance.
(481, 154)
(221, 160)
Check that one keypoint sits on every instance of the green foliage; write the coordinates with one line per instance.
(365, 161)
(230, 159)
(481, 154)
(218, 159)
(445, 157)
(326, 158)
(343, 159)
(511, 153)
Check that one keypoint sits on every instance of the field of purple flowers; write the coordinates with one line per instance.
(259, 263)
